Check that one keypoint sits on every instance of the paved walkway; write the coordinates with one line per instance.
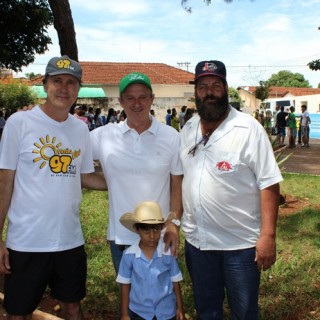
(303, 160)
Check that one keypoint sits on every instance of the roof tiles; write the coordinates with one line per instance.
(280, 92)
(110, 73)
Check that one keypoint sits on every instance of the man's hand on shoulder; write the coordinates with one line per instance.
(171, 238)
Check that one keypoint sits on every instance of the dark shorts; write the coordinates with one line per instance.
(281, 131)
(63, 272)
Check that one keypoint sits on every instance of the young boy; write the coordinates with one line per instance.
(149, 277)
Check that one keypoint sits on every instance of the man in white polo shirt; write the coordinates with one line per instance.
(230, 200)
(140, 160)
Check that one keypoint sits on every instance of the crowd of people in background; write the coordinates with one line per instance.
(93, 118)
(285, 123)
(176, 120)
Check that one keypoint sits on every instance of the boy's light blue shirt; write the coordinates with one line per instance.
(151, 291)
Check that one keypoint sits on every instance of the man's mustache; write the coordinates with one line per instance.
(209, 97)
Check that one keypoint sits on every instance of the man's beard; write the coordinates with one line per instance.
(212, 111)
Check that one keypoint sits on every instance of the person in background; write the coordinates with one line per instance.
(146, 153)
(90, 115)
(268, 123)
(277, 110)
(230, 200)
(122, 117)
(287, 111)
(174, 119)
(2, 122)
(45, 158)
(299, 130)
(256, 114)
(111, 117)
(97, 118)
(281, 126)
(152, 112)
(181, 116)
(168, 117)
(261, 117)
(292, 128)
(305, 121)
(189, 114)
(147, 260)
(117, 115)
(79, 113)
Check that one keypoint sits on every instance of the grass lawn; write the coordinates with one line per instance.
(289, 290)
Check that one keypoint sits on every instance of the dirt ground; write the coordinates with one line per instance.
(302, 160)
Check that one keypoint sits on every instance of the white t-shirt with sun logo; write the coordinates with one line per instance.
(48, 158)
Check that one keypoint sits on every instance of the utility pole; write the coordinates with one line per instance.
(184, 64)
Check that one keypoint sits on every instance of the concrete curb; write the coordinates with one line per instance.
(37, 314)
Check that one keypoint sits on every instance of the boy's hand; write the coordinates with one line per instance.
(180, 314)
(4, 259)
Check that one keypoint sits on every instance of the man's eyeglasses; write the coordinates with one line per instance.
(204, 140)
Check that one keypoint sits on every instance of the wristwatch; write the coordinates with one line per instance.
(176, 222)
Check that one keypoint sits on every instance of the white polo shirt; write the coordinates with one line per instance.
(137, 168)
(222, 182)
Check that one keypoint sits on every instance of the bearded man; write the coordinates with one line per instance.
(230, 199)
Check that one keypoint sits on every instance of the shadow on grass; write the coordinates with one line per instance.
(304, 224)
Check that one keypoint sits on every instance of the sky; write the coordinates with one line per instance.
(254, 38)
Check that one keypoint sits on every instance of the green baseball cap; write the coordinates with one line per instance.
(64, 65)
(134, 77)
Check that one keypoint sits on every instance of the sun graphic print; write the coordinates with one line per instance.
(50, 152)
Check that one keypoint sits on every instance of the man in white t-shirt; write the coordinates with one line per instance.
(230, 200)
(305, 121)
(45, 157)
(140, 160)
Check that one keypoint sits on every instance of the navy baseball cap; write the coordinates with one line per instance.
(210, 68)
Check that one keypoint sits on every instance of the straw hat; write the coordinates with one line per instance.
(147, 212)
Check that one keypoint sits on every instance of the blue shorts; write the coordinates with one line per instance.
(64, 272)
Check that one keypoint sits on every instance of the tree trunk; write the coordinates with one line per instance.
(64, 25)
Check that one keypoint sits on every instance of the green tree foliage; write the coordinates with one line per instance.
(262, 92)
(234, 95)
(32, 75)
(314, 65)
(15, 95)
(234, 98)
(23, 25)
(286, 78)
